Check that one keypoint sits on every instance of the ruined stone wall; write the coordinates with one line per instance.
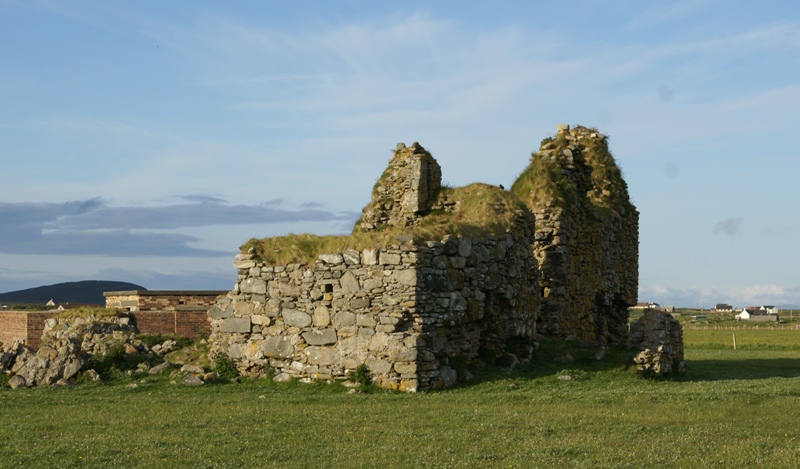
(405, 311)
(565, 263)
(586, 240)
(406, 190)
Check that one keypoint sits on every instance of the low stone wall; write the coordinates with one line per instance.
(405, 311)
(66, 344)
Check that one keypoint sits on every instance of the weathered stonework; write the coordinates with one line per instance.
(587, 239)
(404, 310)
(406, 190)
(659, 339)
(564, 260)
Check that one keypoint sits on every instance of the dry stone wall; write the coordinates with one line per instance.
(586, 238)
(406, 190)
(405, 311)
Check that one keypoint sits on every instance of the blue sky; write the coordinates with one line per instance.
(145, 141)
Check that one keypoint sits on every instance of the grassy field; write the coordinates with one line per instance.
(733, 409)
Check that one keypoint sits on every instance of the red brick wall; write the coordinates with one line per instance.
(36, 327)
(161, 300)
(191, 323)
(13, 325)
(25, 325)
(182, 323)
(29, 325)
(154, 322)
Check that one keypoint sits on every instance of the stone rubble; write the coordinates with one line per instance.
(659, 339)
(68, 344)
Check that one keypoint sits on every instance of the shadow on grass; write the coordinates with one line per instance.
(550, 362)
(718, 370)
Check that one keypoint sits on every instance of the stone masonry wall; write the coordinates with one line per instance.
(407, 189)
(568, 266)
(405, 311)
(586, 244)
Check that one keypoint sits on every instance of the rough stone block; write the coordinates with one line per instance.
(221, 311)
(260, 320)
(352, 257)
(236, 325)
(349, 282)
(253, 286)
(369, 257)
(332, 259)
(295, 318)
(406, 277)
(322, 355)
(278, 347)
(322, 317)
(390, 258)
(324, 337)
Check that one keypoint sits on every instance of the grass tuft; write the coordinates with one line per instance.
(481, 210)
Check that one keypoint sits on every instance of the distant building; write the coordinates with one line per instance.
(723, 308)
(645, 305)
(758, 313)
(771, 309)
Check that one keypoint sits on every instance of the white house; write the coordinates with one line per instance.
(760, 313)
(744, 315)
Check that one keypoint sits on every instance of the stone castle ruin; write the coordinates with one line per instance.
(433, 278)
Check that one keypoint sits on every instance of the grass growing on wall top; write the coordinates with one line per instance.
(84, 312)
(546, 179)
(543, 179)
(482, 209)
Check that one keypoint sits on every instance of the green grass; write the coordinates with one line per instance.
(545, 180)
(745, 339)
(733, 409)
(482, 210)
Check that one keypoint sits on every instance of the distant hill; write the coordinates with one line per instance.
(83, 292)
